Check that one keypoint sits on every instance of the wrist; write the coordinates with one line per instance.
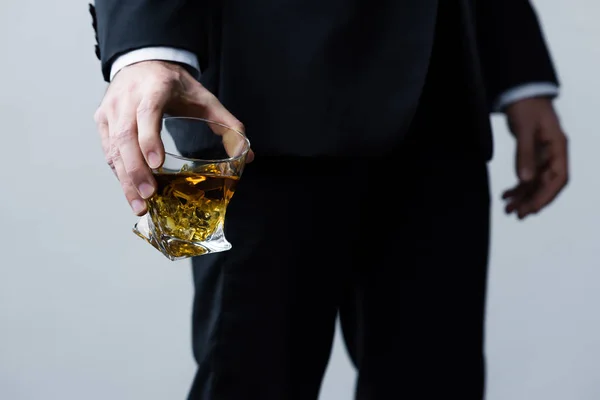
(157, 53)
(533, 101)
(154, 65)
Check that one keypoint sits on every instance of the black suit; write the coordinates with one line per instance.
(346, 103)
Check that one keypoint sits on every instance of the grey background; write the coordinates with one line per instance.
(88, 311)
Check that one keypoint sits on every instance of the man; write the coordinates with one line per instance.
(368, 195)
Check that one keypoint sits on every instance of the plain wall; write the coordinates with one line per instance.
(89, 311)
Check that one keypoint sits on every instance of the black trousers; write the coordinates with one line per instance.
(396, 246)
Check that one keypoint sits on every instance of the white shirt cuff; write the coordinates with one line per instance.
(156, 53)
(528, 90)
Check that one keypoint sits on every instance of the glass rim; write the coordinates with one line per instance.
(208, 121)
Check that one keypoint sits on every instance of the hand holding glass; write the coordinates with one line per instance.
(203, 162)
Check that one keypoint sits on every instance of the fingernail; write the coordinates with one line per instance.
(153, 160)
(138, 206)
(146, 190)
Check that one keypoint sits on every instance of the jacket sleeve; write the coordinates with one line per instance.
(512, 46)
(125, 25)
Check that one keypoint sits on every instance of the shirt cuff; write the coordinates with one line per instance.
(156, 53)
(528, 90)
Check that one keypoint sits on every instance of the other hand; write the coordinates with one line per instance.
(541, 159)
(130, 116)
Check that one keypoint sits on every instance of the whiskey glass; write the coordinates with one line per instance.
(204, 161)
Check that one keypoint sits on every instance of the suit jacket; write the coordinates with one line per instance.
(336, 77)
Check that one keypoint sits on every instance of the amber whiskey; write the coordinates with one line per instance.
(189, 207)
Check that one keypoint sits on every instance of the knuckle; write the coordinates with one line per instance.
(110, 163)
(106, 150)
(174, 74)
(147, 107)
(110, 103)
(239, 127)
(99, 116)
(124, 134)
(172, 79)
(136, 172)
(113, 155)
(128, 187)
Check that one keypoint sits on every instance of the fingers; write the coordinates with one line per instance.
(526, 161)
(552, 176)
(517, 197)
(510, 193)
(214, 110)
(233, 143)
(512, 198)
(544, 193)
(114, 160)
(124, 133)
(130, 120)
(526, 154)
(559, 158)
(149, 123)
(206, 105)
(103, 130)
(137, 203)
(541, 156)
(552, 179)
(117, 127)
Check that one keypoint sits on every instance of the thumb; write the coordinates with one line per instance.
(203, 104)
(525, 154)
(233, 131)
(234, 144)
